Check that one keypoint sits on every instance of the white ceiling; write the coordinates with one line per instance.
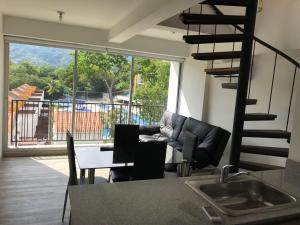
(107, 14)
(167, 33)
(101, 14)
(122, 18)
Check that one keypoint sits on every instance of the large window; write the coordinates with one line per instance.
(52, 90)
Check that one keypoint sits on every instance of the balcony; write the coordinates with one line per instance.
(34, 122)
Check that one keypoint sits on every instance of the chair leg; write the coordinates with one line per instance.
(65, 204)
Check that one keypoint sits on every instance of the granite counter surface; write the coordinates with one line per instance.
(172, 202)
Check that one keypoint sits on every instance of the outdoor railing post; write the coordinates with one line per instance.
(12, 121)
(16, 134)
(121, 110)
(50, 125)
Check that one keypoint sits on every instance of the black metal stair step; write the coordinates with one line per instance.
(216, 55)
(254, 166)
(259, 116)
(265, 150)
(190, 18)
(250, 101)
(219, 38)
(280, 134)
(227, 2)
(229, 85)
(223, 71)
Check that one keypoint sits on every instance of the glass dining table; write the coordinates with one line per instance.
(92, 158)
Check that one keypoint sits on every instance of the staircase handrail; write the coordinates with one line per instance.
(284, 55)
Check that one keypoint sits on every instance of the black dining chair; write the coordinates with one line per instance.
(126, 139)
(149, 162)
(72, 171)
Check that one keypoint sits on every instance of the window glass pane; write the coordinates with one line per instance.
(41, 80)
(102, 94)
(40, 91)
(150, 91)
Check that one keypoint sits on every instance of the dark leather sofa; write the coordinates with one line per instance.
(211, 140)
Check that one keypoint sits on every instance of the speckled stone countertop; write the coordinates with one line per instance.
(172, 202)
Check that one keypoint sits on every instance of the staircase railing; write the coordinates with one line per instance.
(46, 122)
(258, 40)
(277, 52)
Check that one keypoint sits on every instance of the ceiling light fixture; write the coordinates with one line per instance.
(60, 15)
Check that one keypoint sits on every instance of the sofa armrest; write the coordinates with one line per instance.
(149, 130)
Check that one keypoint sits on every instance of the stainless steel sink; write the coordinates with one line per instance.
(242, 197)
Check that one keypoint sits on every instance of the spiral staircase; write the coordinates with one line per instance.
(239, 77)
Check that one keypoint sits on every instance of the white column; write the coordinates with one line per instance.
(173, 86)
(1, 82)
(294, 152)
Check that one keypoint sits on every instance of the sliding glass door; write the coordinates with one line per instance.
(40, 89)
(52, 90)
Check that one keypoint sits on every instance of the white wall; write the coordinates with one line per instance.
(219, 108)
(295, 140)
(221, 103)
(173, 86)
(1, 80)
(191, 97)
(277, 24)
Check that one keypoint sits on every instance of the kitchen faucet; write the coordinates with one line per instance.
(226, 176)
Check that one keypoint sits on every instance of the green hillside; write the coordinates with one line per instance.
(40, 55)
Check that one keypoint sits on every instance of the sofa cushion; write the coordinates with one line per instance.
(171, 125)
(196, 127)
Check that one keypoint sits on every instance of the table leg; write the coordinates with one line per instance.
(82, 176)
(91, 176)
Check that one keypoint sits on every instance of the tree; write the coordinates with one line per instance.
(112, 70)
(153, 92)
(54, 88)
(43, 77)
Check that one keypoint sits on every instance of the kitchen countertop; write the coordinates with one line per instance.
(172, 202)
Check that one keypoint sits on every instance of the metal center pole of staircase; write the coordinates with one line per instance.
(241, 97)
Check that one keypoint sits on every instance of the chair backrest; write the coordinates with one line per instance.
(125, 142)
(149, 160)
(71, 159)
(189, 145)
